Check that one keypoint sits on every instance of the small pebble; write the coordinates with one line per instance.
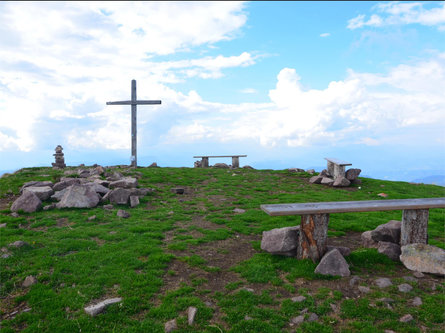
(170, 326)
(3, 225)
(418, 275)
(91, 218)
(29, 281)
(246, 317)
(297, 320)
(312, 317)
(405, 288)
(353, 281)
(122, 213)
(298, 299)
(383, 282)
(364, 290)
(406, 318)
(417, 301)
(191, 313)
(14, 214)
(410, 279)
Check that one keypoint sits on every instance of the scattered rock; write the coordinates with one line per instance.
(383, 282)
(352, 174)
(66, 182)
(221, 165)
(316, 179)
(239, 211)
(383, 195)
(153, 165)
(325, 173)
(29, 281)
(42, 192)
(405, 288)
(108, 207)
(134, 201)
(91, 218)
(295, 170)
(327, 181)
(79, 196)
(298, 299)
(15, 214)
(388, 232)
(191, 313)
(49, 207)
(95, 309)
(341, 182)
(119, 196)
(367, 240)
(28, 202)
(126, 182)
(417, 301)
(333, 263)
(410, 279)
(170, 326)
(250, 290)
(345, 251)
(37, 183)
(354, 280)
(122, 213)
(406, 318)
(391, 250)
(312, 317)
(18, 244)
(281, 241)
(98, 188)
(418, 275)
(297, 320)
(3, 225)
(423, 258)
(364, 289)
(248, 167)
(178, 190)
(310, 171)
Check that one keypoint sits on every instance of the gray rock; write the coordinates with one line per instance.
(405, 288)
(29, 281)
(98, 188)
(327, 181)
(325, 173)
(391, 250)
(297, 320)
(59, 194)
(388, 232)
(102, 182)
(79, 196)
(122, 213)
(298, 299)
(170, 326)
(153, 165)
(126, 182)
(423, 258)
(418, 275)
(49, 207)
(410, 279)
(345, 251)
(281, 241)
(134, 201)
(333, 263)
(295, 170)
(95, 309)
(367, 240)
(108, 207)
(364, 289)
(83, 173)
(42, 192)
(119, 196)
(221, 165)
(341, 182)
(114, 176)
(66, 182)
(312, 317)
(18, 244)
(406, 318)
(91, 218)
(310, 171)
(191, 313)
(36, 184)
(3, 225)
(352, 174)
(248, 167)
(383, 282)
(316, 179)
(417, 301)
(354, 280)
(239, 211)
(14, 214)
(28, 202)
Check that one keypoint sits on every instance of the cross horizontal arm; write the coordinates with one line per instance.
(134, 103)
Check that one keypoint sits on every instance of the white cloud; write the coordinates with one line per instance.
(326, 34)
(396, 13)
(248, 91)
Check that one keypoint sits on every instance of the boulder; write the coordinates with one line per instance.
(316, 179)
(98, 188)
(66, 182)
(95, 309)
(248, 167)
(221, 165)
(197, 164)
(345, 251)
(327, 181)
(59, 194)
(388, 232)
(281, 241)
(126, 182)
(36, 184)
(383, 282)
(325, 173)
(352, 174)
(119, 196)
(114, 176)
(310, 171)
(79, 196)
(83, 173)
(367, 240)
(153, 165)
(42, 192)
(102, 182)
(391, 250)
(295, 170)
(134, 201)
(333, 263)
(122, 213)
(423, 258)
(28, 202)
(341, 182)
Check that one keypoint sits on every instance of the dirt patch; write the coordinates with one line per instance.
(7, 201)
(64, 222)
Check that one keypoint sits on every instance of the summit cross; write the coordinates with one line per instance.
(134, 102)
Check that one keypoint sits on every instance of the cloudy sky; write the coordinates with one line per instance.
(287, 83)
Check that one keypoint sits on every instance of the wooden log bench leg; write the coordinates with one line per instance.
(313, 236)
(414, 226)
(235, 162)
(205, 162)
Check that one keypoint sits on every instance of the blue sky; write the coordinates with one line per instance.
(287, 83)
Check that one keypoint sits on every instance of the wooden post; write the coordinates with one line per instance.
(235, 162)
(313, 236)
(414, 226)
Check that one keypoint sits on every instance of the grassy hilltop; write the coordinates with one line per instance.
(177, 251)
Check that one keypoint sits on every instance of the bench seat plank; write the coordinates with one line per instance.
(337, 161)
(351, 206)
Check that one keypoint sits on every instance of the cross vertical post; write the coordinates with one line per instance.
(134, 102)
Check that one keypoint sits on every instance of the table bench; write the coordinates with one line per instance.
(336, 167)
(205, 160)
(315, 218)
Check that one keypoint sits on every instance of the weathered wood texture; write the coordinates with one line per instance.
(414, 226)
(352, 206)
(313, 236)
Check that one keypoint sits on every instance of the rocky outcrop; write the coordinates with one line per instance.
(27, 202)
(281, 241)
(79, 196)
(42, 192)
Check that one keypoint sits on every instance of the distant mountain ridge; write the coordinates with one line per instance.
(435, 180)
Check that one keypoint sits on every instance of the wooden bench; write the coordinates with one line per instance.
(315, 218)
(205, 160)
(336, 167)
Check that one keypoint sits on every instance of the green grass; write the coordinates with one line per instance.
(180, 251)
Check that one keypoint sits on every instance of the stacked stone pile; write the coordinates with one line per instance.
(86, 191)
(60, 159)
(325, 178)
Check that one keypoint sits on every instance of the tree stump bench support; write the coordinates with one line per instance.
(336, 167)
(205, 160)
(315, 218)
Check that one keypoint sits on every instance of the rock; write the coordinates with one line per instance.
(191, 313)
(295, 170)
(418, 275)
(248, 167)
(114, 176)
(153, 165)
(281, 241)
(364, 289)
(312, 317)
(83, 173)
(170, 326)
(19, 244)
(410, 279)
(327, 181)
(383, 282)
(239, 211)
(3, 225)
(59, 194)
(406, 318)
(119, 196)
(29, 281)
(325, 173)
(197, 164)
(178, 190)
(388, 232)
(341, 182)
(79, 196)
(28, 202)
(391, 250)
(95, 309)
(383, 195)
(42, 192)
(126, 182)
(352, 174)
(356, 181)
(14, 214)
(298, 299)
(423, 258)
(367, 240)
(98, 188)
(405, 288)
(354, 280)
(345, 251)
(35, 183)
(297, 320)
(316, 179)
(66, 182)
(108, 207)
(122, 213)
(333, 263)
(417, 301)
(310, 171)
(134, 201)
(104, 183)
(221, 165)
(99, 170)
(50, 207)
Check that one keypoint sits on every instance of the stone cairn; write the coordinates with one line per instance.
(60, 160)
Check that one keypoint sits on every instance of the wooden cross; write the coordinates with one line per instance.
(134, 102)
